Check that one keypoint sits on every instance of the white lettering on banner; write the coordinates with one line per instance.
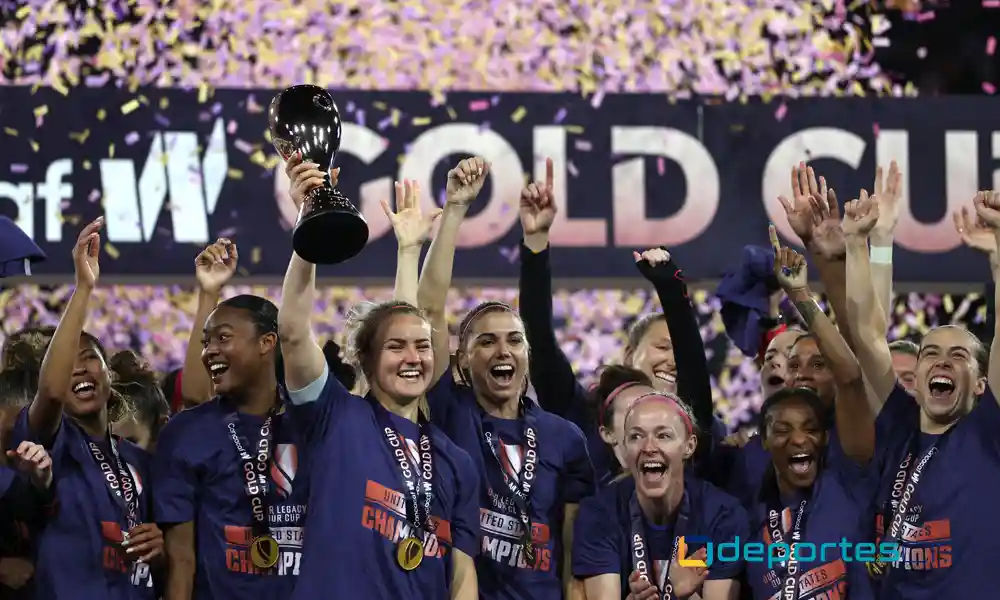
(174, 173)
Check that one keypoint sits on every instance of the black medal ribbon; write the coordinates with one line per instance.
(418, 481)
(118, 480)
(520, 489)
(789, 571)
(641, 555)
(256, 468)
(904, 487)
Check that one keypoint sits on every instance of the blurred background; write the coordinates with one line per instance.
(705, 51)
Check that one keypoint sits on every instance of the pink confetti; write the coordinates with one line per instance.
(781, 112)
(991, 45)
(479, 105)
(989, 88)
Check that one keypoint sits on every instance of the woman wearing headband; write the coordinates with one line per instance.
(636, 538)
(394, 503)
(666, 346)
(533, 464)
(98, 545)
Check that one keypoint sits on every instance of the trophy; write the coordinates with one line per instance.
(329, 230)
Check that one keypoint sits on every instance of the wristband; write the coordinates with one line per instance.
(881, 255)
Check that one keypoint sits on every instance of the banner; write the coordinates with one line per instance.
(173, 169)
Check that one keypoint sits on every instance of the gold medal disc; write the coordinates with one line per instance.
(264, 552)
(410, 553)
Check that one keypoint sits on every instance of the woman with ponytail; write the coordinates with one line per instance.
(139, 385)
(99, 544)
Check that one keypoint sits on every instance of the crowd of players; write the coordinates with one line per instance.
(409, 468)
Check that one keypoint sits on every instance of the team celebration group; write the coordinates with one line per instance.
(414, 467)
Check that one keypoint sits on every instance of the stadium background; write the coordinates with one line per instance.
(686, 48)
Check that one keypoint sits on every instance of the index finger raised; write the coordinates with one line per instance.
(550, 175)
(772, 233)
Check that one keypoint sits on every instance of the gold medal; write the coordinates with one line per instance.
(876, 569)
(410, 553)
(264, 552)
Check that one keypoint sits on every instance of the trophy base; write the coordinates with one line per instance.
(330, 229)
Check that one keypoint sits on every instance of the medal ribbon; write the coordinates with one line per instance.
(419, 485)
(898, 503)
(788, 570)
(520, 489)
(641, 556)
(118, 480)
(256, 468)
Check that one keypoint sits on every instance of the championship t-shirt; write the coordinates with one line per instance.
(562, 475)
(832, 534)
(198, 476)
(358, 500)
(948, 541)
(602, 538)
(79, 550)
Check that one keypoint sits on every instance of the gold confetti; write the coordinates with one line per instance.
(130, 106)
(111, 251)
(234, 174)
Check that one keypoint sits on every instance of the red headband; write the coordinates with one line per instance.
(669, 400)
(614, 394)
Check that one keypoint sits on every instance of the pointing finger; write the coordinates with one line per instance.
(549, 173)
(772, 233)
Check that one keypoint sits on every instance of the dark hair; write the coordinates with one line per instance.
(264, 315)
(118, 405)
(136, 382)
(611, 378)
(805, 336)
(364, 328)
(345, 373)
(638, 329)
(15, 389)
(811, 398)
(465, 327)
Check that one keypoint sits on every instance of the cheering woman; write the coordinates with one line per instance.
(227, 537)
(394, 503)
(666, 346)
(97, 545)
(629, 539)
(809, 512)
(534, 465)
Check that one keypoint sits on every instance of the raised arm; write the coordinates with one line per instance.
(887, 191)
(551, 372)
(694, 384)
(411, 227)
(213, 268)
(55, 378)
(465, 182)
(863, 308)
(987, 206)
(301, 354)
(855, 421)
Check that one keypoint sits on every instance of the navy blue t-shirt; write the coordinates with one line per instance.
(835, 511)
(602, 536)
(358, 501)
(949, 539)
(563, 476)
(198, 476)
(79, 550)
(22, 512)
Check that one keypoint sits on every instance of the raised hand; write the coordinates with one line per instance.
(988, 209)
(466, 180)
(687, 580)
(974, 232)
(799, 209)
(828, 232)
(410, 225)
(861, 215)
(215, 266)
(654, 256)
(538, 206)
(86, 252)
(32, 460)
(304, 177)
(640, 589)
(888, 190)
(789, 265)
